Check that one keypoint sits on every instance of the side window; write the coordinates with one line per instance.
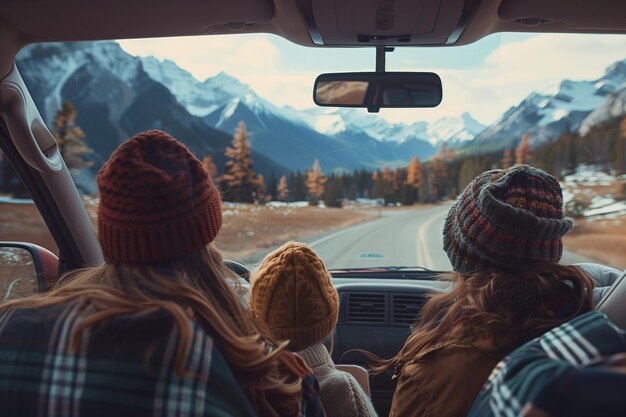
(20, 221)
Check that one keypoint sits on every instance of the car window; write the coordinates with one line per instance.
(363, 189)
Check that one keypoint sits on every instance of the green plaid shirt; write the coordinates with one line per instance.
(122, 367)
(546, 362)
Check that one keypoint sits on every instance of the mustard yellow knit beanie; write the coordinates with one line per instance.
(293, 296)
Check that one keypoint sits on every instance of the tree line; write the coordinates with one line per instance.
(441, 177)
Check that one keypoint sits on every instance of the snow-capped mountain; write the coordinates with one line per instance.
(225, 93)
(455, 130)
(115, 98)
(546, 115)
(613, 106)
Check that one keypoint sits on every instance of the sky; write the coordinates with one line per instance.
(484, 79)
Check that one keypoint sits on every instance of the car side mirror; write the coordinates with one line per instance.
(26, 269)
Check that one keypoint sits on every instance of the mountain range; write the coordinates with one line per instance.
(574, 105)
(117, 94)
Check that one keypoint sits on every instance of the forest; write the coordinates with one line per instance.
(440, 178)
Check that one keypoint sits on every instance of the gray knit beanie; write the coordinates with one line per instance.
(505, 220)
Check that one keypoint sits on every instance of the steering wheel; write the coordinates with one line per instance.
(240, 269)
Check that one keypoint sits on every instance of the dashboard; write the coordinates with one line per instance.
(376, 314)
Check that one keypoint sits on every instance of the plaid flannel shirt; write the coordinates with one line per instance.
(521, 377)
(124, 366)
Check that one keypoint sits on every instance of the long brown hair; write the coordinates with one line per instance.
(198, 285)
(496, 311)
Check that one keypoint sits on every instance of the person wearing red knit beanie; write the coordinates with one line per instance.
(156, 330)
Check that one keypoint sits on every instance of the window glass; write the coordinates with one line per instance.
(363, 189)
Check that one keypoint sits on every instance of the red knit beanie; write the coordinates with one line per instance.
(157, 201)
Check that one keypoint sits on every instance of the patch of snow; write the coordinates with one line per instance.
(292, 204)
(601, 201)
(590, 175)
(554, 116)
(614, 209)
(567, 196)
(201, 111)
(331, 124)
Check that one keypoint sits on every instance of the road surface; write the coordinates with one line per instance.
(399, 238)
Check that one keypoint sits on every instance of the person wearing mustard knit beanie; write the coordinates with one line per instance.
(293, 297)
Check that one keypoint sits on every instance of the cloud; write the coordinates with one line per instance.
(205, 56)
(485, 89)
(516, 69)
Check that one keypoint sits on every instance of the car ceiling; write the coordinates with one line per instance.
(345, 23)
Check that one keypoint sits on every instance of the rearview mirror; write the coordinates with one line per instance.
(376, 90)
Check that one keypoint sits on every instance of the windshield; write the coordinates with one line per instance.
(363, 189)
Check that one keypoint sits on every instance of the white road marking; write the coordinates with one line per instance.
(424, 257)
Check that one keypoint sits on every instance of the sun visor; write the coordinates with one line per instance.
(386, 22)
(117, 19)
(602, 15)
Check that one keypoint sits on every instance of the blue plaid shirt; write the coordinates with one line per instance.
(548, 363)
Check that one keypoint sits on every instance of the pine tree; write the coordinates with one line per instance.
(396, 182)
(209, 165)
(272, 187)
(71, 138)
(242, 183)
(315, 181)
(620, 148)
(507, 159)
(298, 188)
(438, 174)
(414, 173)
(282, 189)
(259, 194)
(524, 152)
(450, 154)
(334, 192)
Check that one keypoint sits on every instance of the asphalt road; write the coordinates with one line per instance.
(399, 238)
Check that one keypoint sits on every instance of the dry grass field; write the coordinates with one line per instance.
(247, 228)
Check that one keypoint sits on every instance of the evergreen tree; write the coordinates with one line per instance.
(414, 175)
(298, 186)
(438, 175)
(209, 165)
(507, 159)
(315, 181)
(272, 187)
(620, 148)
(282, 189)
(334, 192)
(242, 183)
(259, 194)
(524, 152)
(70, 138)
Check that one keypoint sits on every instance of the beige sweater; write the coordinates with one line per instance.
(341, 395)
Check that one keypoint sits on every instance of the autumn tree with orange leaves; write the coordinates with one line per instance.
(240, 182)
(282, 189)
(507, 159)
(524, 152)
(315, 182)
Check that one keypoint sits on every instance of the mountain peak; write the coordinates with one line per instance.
(618, 67)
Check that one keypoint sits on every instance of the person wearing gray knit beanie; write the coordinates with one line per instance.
(503, 236)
